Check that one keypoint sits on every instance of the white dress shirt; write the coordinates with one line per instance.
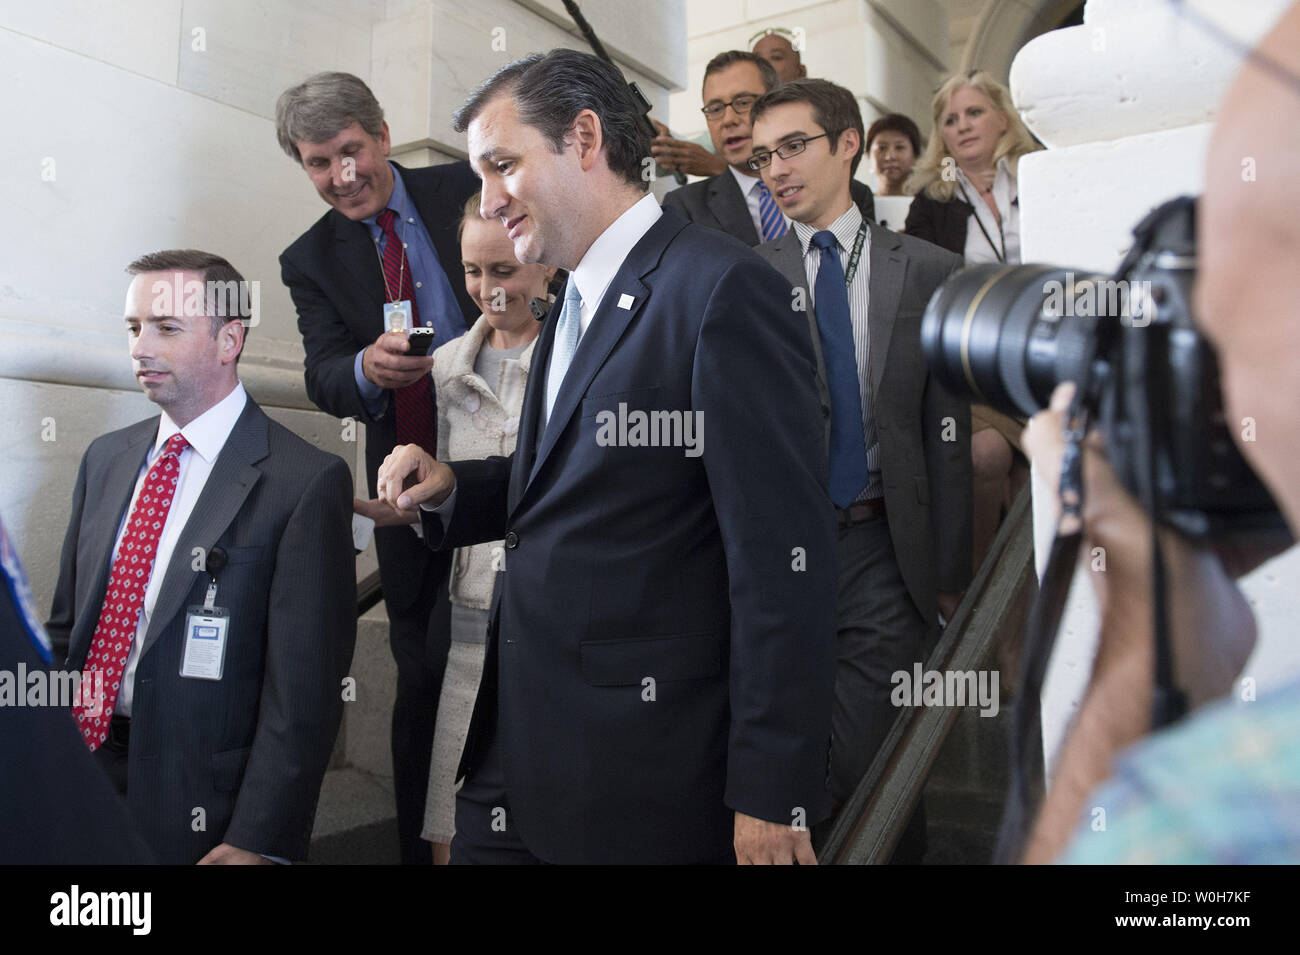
(978, 247)
(605, 256)
(749, 189)
(207, 435)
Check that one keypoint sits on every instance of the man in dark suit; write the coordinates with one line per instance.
(659, 670)
(207, 579)
(900, 471)
(736, 201)
(341, 273)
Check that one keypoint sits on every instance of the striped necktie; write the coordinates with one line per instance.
(773, 222)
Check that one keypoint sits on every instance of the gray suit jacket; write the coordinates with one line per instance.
(928, 497)
(718, 203)
(250, 749)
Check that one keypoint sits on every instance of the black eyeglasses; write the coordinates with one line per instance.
(741, 104)
(787, 150)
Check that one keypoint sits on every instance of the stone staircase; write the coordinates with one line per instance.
(355, 819)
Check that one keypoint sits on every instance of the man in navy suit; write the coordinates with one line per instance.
(332, 125)
(659, 672)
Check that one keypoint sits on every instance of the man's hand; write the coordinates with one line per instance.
(384, 514)
(226, 854)
(759, 842)
(387, 364)
(678, 154)
(410, 477)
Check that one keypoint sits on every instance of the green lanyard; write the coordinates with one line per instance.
(856, 254)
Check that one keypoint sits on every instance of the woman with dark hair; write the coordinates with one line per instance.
(894, 145)
(893, 142)
(966, 201)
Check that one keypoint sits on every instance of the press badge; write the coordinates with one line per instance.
(206, 628)
(397, 316)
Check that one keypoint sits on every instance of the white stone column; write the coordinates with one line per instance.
(1125, 105)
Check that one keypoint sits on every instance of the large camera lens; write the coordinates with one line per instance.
(1008, 334)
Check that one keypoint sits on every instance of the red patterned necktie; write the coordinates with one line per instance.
(124, 599)
(416, 423)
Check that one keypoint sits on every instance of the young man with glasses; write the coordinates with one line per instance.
(900, 469)
(735, 201)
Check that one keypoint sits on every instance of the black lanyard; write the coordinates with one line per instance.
(1000, 253)
(856, 254)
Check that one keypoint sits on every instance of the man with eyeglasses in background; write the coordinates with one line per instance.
(900, 467)
(736, 201)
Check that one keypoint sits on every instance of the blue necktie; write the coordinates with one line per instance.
(565, 344)
(848, 441)
(773, 222)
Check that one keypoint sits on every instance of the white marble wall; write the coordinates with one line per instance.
(147, 124)
(1125, 104)
(890, 53)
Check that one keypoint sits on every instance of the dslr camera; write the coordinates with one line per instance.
(1007, 335)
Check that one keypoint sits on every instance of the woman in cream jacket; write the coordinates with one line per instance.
(479, 379)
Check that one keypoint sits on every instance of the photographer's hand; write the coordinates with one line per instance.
(1212, 630)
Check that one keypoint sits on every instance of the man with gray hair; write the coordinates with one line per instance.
(383, 260)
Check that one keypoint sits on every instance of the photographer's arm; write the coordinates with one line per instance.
(1212, 630)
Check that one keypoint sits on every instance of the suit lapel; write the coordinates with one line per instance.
(727, 203)
(361, 258)
(531, 414)
(606, 328)
(623, 301)
(789, 262)
(888, 269)
(228, 485)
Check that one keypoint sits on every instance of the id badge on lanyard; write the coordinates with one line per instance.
(206, 630)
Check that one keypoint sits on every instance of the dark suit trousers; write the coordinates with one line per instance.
(419, 638)
(878, 631)
(485, 833)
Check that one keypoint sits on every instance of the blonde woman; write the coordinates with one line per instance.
(479, 379)
(965, 201)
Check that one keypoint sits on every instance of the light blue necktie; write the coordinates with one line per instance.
(773, 222)
(848, 444)
(565, 344)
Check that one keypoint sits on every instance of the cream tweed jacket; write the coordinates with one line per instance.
(473, 423)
